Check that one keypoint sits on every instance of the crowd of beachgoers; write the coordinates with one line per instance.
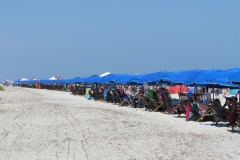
(199, 102)
(196, 103)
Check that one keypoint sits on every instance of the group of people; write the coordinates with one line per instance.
(143, 96)
(132, 94)
(230, 109)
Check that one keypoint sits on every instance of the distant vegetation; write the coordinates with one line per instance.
(1, 88)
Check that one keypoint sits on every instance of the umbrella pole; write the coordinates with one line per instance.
(238, 96)
(213, 91)
(180, 90)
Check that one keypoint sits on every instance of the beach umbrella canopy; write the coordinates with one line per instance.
(82, 80)
(130, 79)
(47, 81)
(222, 79)
(53, 78)
(235, 78)
(32, 81)
(104, 74)
(27, 81)
(63, 81)
(185, 75)
(106, 79)
(93, 80)
(73, 80)
(116, 78)
(152, 78)
(169, 77)
(199, 78)
(89, 79)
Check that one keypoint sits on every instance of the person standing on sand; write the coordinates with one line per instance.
(129, 93)
(232, 113)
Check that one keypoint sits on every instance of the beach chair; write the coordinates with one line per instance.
(156, 102)
(183, 99)
(151, 101)
(195, 112)
(120, 97)
(218, 112)
(97, 94)
(237, 121)
(148, 103)
(82, 90)
(116, 96)
(205, 112)
(169, 104)
(110, 98)
(229, 102)
(198, 113)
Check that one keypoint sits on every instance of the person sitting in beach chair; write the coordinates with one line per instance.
(147, 103)
(169, 102)
(115, 95)
(88, 94)
(158, 103)
(198, 110)
(181, 108)
(108, 95)
(120, 97)
(218, 111)
(97, 93)
(150, 100)
(233, 108)
(130, 93)
(83, 90)
(137, 97)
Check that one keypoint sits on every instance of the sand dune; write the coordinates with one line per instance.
(42, 124)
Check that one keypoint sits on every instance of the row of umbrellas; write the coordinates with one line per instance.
(218, 78)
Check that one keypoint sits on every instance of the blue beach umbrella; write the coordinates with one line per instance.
(63, 81)
(235, 78)
(199, 78)
(184, 76)
(152, 78)
(73, 80)
(222, 79)
(169, 77)
(94, 80)
(106, 79)
(47, 81)
(90, 79)
(130, 79)
(82, 80)
(116, 78)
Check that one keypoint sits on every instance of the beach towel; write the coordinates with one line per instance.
(188, 110)
(231, 118)
(150, 94)
(87, 92)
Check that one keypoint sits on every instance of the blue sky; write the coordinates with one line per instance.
(41, 39)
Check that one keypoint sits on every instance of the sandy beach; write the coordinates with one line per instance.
(43, 124)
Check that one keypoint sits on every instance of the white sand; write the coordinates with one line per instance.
(41, 124)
